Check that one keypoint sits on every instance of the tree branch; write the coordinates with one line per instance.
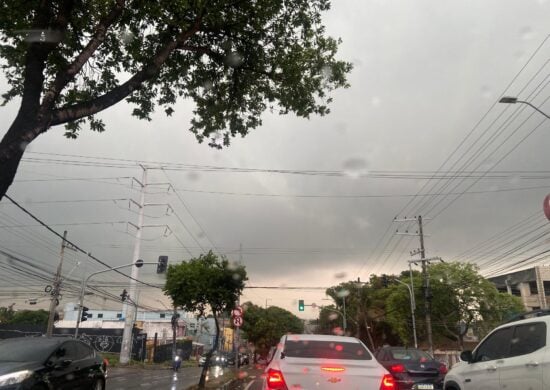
(63, 77)
(81, 110)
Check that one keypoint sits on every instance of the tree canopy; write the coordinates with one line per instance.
(68, 60)
(265, 327)
(461, 300)
(206, 283)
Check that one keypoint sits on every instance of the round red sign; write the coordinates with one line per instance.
(546, 206)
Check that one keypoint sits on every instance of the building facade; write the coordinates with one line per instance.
(532, 285)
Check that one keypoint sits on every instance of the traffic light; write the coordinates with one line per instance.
(85, 314)
(301, 305)
(162, 264)
(124, 295)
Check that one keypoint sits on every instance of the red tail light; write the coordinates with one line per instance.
(443, 369)
(333, 369)
(397, 368)
(388, 383)
(275, 380)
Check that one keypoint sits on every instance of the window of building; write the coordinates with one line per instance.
(533, 287)
(515, 291)
(118, 315)
(162, 315)
(100, 315)
(546, 287)
(90, 315)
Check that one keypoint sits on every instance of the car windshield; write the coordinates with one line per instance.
(410, 355)
(326, 350)
(27, 350)
(184, 176)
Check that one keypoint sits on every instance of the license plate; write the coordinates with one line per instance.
(421, 386)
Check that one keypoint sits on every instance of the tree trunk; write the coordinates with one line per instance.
(21, 133)
(205, 368)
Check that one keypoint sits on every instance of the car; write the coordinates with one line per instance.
(47, 363)
(515, 356)
(229, 358)
(412, 368)
(243, 359)
(216, 359)
(310, 361)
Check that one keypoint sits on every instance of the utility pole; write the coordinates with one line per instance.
(128, 320)
(54, 301)
(425, 277)
(237, 337)
(427, 290)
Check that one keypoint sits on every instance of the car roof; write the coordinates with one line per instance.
(400, 348)
(44, 341)
(321, 337)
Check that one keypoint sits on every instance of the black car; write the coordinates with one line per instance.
(413, 369)
(44, 363)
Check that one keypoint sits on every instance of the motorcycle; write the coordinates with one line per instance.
(177, 363)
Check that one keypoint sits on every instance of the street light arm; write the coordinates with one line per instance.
(514, 100)
(85, 282)
(535, 108)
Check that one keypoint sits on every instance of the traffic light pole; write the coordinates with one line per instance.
(83, 290)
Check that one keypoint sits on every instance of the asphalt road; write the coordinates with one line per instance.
(124, 378)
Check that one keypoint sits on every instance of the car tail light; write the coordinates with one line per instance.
(275, 380)
(397, 368)
(388, 383)
(443, 369)
(333, 369)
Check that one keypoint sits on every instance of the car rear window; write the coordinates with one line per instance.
(326, 350)
(410, 355)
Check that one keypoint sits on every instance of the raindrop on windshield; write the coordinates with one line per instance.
(355, 167)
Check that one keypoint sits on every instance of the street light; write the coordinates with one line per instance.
(514, 100)
(85, 282)
(413, 307)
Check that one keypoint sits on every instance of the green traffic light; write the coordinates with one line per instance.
(301, 306)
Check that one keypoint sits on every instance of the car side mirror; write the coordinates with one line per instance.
(467, 356)
(63, 364)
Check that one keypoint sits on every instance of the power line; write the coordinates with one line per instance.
(76, 247)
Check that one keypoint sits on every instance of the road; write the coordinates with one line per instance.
(124, 378)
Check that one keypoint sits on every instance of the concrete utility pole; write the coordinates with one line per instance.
(56, 288)
(425, 277)
(128, 320)
(427, 290)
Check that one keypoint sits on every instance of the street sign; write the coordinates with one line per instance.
(237, 321)
(547, 206)
(237, 312)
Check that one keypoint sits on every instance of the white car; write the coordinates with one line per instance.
(514, 356)
(321, 362)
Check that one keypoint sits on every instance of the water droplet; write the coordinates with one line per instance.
(208, 85)
(342, 293)
(127, 36)
(193, 176)
(340, 275)
(236, 276)
(355, 167)
(526, 33)
(338, 331)
(234, 60)
(23, 145)
(332, 316)
(326, 72)
(515, 180)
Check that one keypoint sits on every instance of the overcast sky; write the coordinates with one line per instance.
(425, 73)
